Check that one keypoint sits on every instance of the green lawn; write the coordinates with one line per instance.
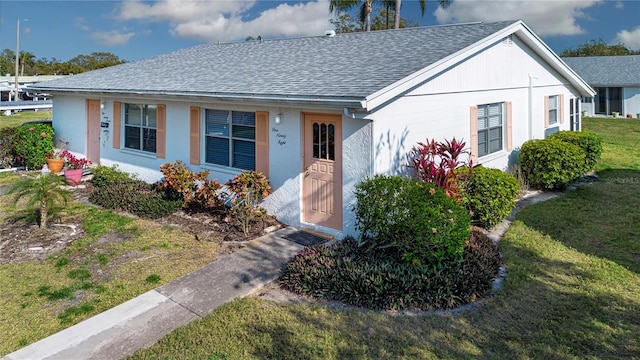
(572, 292)
(23, 116)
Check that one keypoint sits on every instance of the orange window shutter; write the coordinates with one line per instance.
(509, 126)
(473, 138)
(561, 109)
(194, 135)
(161, 132)
(117, 113)
(262, 142)
(546, 111)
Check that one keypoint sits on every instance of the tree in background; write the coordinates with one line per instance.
(345, 23)
(44, 66)
(598, 48)
(365, 9)
(423, 6)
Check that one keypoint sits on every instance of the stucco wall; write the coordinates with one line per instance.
(285, 150)
(631, 98)
(440, 108)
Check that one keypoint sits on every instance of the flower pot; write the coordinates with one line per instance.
(615, 114)
(73, 176)
(585, 113)
(55, 165)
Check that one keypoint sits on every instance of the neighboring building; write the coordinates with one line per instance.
(616, 80)
(320, 114)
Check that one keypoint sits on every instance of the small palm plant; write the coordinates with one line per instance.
(45, 191)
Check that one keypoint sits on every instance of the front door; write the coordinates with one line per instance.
(322, 184)
(93, 130)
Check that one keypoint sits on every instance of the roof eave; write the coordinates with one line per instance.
(273, 99)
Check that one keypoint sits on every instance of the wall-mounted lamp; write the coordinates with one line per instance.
(279, 118)
(102, 105)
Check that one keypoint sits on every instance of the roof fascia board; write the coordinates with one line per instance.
(518, 27)
(334, 102)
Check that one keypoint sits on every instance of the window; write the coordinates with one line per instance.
(230, 138)
(140, 127)
(553, 109)
(490, 128)
(574, 114)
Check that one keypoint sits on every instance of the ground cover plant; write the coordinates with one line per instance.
(572, 291)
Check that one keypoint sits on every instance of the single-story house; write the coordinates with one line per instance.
(320, 114)
(616, 80)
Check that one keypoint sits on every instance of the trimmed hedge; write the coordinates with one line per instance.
(589, 142)
(137, 197)
(490, 195)
(107, 176)
(346, 273)
(551, 164)
(413, 220)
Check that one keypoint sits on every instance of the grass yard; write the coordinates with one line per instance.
(572, 291)
(116, 259)
(24, 116)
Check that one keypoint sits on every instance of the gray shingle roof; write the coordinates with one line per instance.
(623, 71)
(349, 66)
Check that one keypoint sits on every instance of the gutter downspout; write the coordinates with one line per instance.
(530, 124)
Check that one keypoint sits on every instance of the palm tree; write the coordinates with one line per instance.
(46, 191)
(423, 7)
(366, 7)
(26, 57)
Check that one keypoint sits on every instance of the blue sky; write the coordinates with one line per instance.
(135, 29)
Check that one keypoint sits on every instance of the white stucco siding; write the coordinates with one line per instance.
(68, 118)
(440, 108)
(631, 96)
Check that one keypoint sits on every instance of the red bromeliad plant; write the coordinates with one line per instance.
(73, 162)
(439, 162)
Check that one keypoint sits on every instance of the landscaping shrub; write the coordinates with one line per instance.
(589, 142)
(414, 220)
(439, 163)
(136, 197)
(8, 155)
(248, 189)
(107, 176)
(346, 273)
(550, 163)
(490, 195)
(32, 143)
(197, 191)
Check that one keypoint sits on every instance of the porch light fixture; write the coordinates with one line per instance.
(279, 118)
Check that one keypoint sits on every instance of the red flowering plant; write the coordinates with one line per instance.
(72, 162)
(58, 150)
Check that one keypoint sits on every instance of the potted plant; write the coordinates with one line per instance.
(74, 167)
(615, 114)
(55, 159)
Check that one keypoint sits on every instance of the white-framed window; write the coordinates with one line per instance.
(230, 138)
(140, 122)
(553, 106)
(491, 120)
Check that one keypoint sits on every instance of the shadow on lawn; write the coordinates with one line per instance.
(599, 219)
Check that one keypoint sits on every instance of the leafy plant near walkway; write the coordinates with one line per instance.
(551, 164)
(45, 195)
(32, 143)
(248, 190)
(490, 195)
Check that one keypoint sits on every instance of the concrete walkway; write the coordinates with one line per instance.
(142, 321)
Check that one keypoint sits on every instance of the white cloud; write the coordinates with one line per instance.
(81, 23)
(546, 18)
(619, 5)
(227, 20)
(630, 39)
(112, 38)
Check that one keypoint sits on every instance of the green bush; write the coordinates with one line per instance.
(346, 273)
(8, 155)
(413, 220)
(490, 195)
(107, 176)
(137, 197)
(589, 142)
(551, 164)
(32, 143)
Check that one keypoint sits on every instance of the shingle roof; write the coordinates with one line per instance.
(623, 71)
(351, 65)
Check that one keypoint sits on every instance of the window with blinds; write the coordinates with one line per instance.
(490, 128)
(230, 138)
(553, 109)
(140, 123)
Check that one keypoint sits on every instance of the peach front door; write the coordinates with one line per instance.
(93, 130)
(322, 185)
